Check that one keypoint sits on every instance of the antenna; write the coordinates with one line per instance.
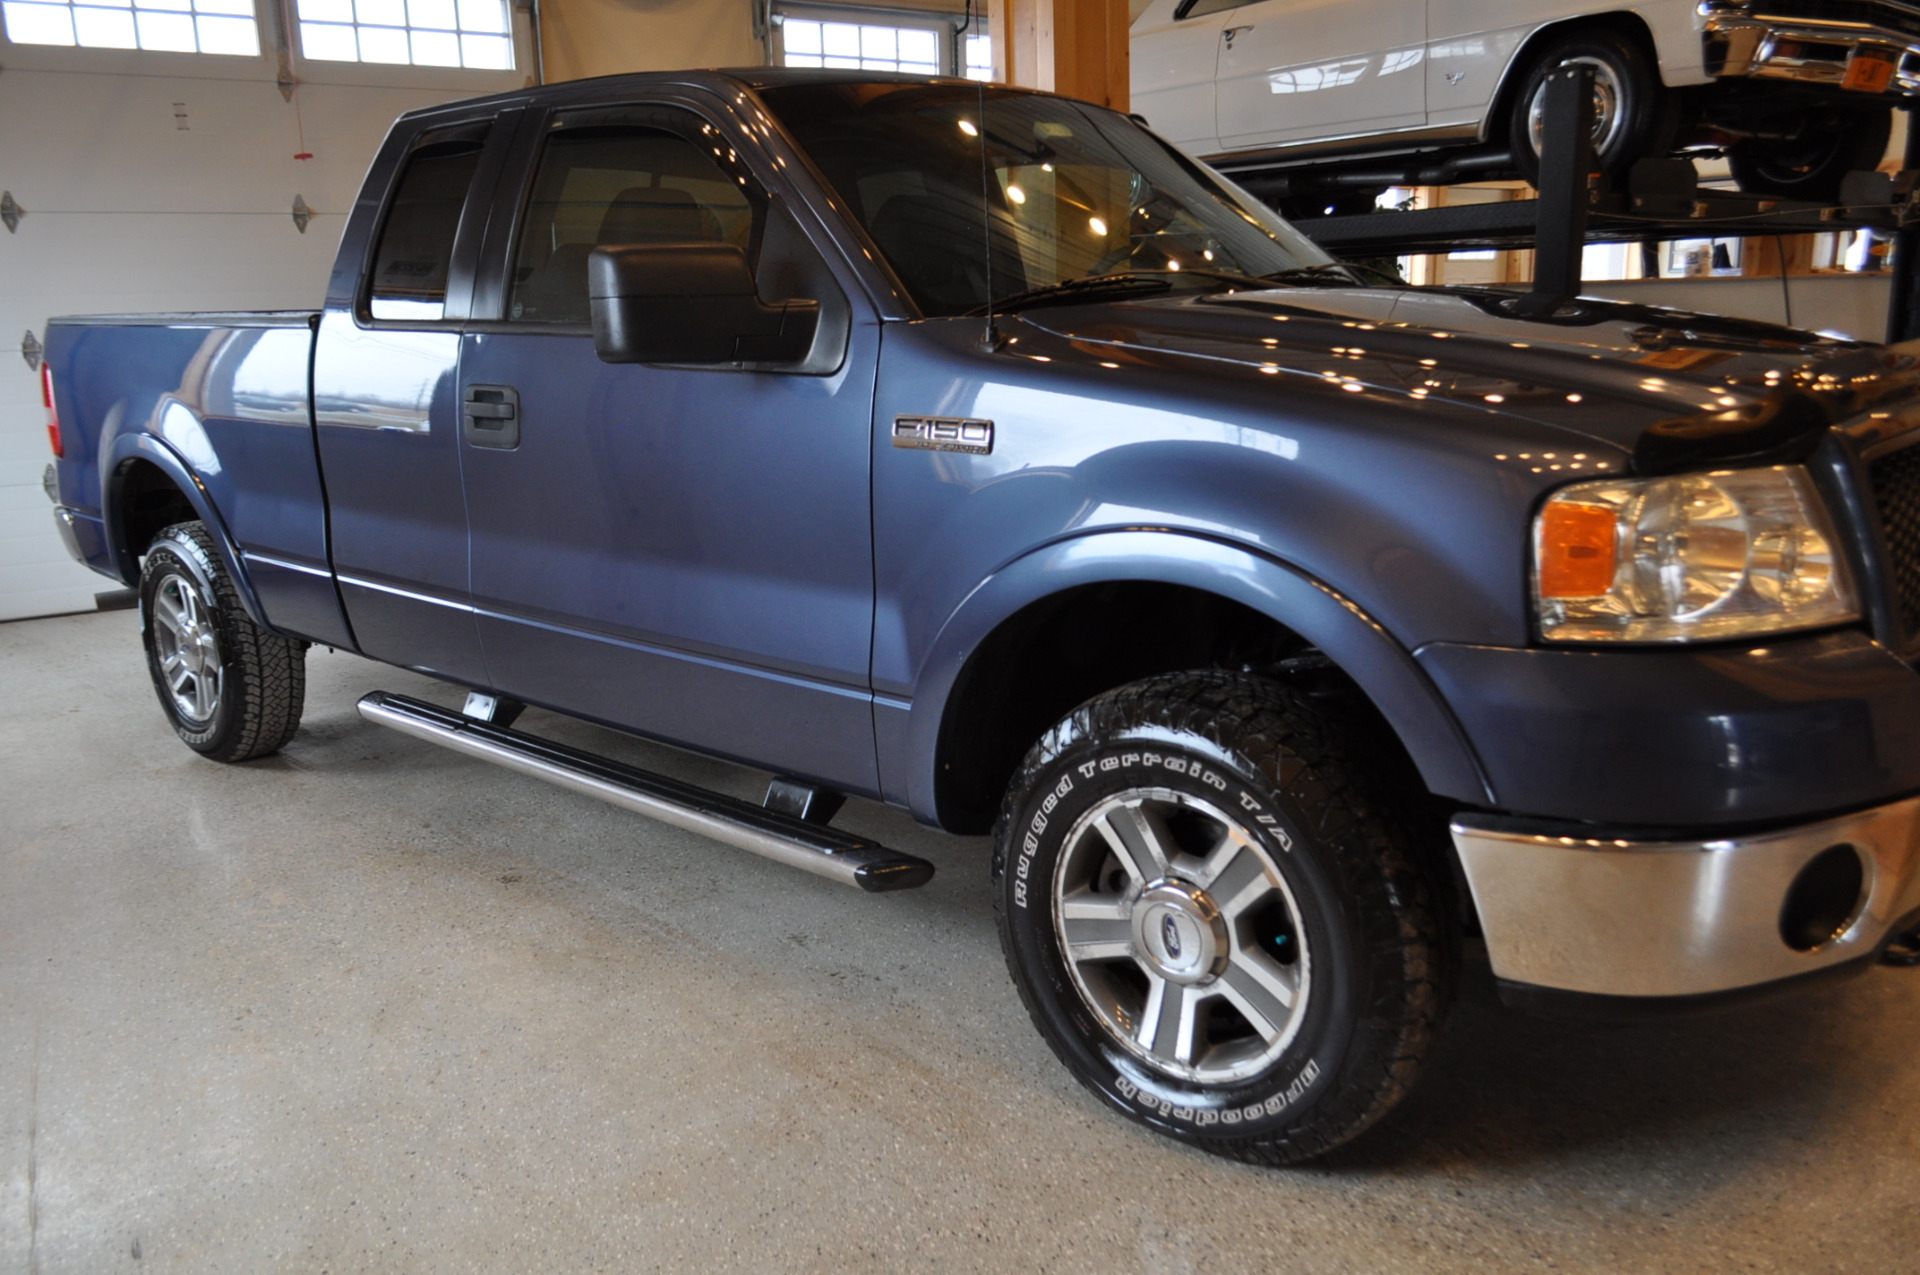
(990, 340)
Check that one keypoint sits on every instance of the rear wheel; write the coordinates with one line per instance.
(1633, 115)
(1213, 923)
(1832, 142)
(231, 689)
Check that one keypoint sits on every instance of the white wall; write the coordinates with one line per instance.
(128, 211)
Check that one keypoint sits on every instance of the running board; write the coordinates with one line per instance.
(812, 847)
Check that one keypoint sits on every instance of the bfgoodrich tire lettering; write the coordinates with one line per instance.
(1198, 763)
(231, 689)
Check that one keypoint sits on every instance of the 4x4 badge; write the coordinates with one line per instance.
(943, 434)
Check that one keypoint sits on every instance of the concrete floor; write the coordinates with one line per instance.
(371, 1006)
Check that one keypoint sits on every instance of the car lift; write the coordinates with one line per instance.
(1661, 201)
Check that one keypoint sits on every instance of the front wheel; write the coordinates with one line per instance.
(231, 689)
(1633, 115)
(1211, 921)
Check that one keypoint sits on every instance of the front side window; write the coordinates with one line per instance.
(414, 254)
(175, 26)
(1071, 192)
(619, 184)
(470, 33)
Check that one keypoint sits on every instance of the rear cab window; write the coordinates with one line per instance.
(413, 258)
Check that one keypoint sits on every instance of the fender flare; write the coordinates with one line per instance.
(1353, 640)
(141, 445)
(1494, 120)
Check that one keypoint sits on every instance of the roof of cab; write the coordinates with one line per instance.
(753, 78)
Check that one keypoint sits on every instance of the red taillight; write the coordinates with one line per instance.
(53, 414)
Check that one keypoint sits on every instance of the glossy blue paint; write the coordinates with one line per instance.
(221, 409)
(742, 561)
(1783, 730)
(667, 541)
(1311, 609)
(389, 436)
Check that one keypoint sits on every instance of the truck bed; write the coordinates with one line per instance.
(218, 405)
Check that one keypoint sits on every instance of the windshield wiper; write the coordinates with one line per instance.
(1121, 282)
(1335, 272)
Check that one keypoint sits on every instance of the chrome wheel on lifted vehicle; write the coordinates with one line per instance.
(232, 689)
(1633, 115)
(1214, 920)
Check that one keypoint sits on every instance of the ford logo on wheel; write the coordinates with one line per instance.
(1170, 936)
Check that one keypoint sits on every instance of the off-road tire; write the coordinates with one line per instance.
(1648, 117)
(1382, 952)
(262, 677)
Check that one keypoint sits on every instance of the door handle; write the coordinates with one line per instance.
(490, 416)
(1230, 32)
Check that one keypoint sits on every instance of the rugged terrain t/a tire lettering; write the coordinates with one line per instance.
(1213, 920)
(232, 690)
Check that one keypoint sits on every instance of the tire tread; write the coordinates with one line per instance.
(1283, 738)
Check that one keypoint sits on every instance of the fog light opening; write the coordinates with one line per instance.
(1824, 900)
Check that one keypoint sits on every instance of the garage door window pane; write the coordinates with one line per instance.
(328, 43)
(436, 48)
(384, 44)
(105, 28)
(226, 35)
(170, 31)
(470, 33)
(175, 26)
(866, 46)
(432, 15)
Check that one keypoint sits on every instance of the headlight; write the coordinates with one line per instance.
(1689, 558)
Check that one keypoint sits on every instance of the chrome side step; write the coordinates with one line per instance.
(813, 847)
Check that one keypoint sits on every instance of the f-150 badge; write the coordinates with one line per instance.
(943, 434)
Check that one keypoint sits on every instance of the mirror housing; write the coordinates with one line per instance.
(690, 303)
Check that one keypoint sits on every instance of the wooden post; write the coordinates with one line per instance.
(1074, 47)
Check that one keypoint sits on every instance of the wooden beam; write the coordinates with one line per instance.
(1074, 47)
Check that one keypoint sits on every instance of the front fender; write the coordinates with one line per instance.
(162, 454)
(1340, 629)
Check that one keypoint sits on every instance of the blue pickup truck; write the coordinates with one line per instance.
(973, 450)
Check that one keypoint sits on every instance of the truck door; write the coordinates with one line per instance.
(1176, 54)
(385, 398)
(1292, 70)
(681, 551)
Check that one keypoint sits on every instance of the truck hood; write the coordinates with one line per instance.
(1670, 388)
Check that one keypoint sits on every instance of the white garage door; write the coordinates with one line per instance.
(154, 178)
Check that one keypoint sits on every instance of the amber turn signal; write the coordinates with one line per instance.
(1577, 550)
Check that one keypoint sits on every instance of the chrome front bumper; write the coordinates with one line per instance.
(1744, 40)
(1678, 918)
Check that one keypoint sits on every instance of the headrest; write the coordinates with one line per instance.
(656, 214)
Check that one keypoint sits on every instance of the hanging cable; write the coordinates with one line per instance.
(293, 89)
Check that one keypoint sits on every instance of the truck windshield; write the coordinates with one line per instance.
(1067, 191)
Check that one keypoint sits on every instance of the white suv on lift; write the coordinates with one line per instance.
(1796, 93)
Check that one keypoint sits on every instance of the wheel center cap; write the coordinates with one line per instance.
(1178, 932)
